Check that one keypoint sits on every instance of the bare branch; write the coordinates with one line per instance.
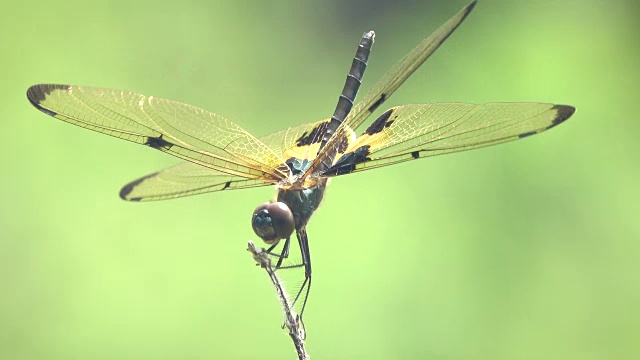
(292, 320)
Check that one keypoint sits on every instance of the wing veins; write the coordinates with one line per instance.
(99, 110)
(388, 84)
(420, 130)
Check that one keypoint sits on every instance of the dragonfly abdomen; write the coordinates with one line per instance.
(351, 86)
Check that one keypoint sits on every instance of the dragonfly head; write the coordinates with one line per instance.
(272, 221)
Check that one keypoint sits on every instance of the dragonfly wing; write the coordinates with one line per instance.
(184, 179)
(179, 129)
(391, 81)
(399, 73)
(300, 142)
(415, 131)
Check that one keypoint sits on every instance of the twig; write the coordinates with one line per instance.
(292, 320)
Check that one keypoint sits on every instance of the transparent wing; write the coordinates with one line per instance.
(391, 81)
(301, 142)
(397, 75)
(179, 129)
(415, 131)
(187, 178)
(183, 179)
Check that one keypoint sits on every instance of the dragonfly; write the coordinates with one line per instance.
(298, 161)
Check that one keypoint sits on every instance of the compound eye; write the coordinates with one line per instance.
(272, 221)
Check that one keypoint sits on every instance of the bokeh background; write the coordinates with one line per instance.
(527, 250)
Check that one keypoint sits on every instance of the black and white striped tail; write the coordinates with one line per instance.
(351, 86)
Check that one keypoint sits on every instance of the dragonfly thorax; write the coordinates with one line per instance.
(298, 166)
(297, 179)
(303, 202)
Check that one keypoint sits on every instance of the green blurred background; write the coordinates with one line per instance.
(528, 250)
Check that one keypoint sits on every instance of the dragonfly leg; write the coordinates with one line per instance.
(303, 241)
(281, 256)
(306, 263)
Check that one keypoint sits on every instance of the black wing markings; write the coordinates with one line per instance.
(380, 123)
(421, 130)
